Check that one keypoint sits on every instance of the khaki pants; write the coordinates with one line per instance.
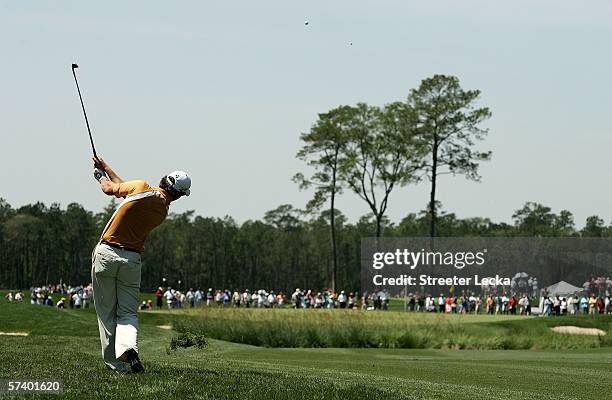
(115, 274)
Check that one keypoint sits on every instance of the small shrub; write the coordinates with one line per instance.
(186, 340)
(313, 338)
(605, 340)
(502, 343)
(358, 337)
(337, 338)
(387, 341)
(410, 340)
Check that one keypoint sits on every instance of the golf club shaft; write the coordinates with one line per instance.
(84, 113)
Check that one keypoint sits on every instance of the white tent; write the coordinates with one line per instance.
(563, 288)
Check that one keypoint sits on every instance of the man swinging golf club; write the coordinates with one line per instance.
(116, 261)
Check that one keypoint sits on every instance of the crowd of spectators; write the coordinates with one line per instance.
(470, 304)
(57, 295)
(492, 304)
(172, 298)
(576, 305)
(66, 296)
(501, 304)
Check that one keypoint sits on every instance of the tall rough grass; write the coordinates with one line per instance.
(345, 328)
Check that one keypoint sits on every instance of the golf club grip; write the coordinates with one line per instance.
(93, 148)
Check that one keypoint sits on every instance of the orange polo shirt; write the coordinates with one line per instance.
(134, 219)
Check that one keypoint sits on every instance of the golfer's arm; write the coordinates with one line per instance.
(108, 186)
(112, 175)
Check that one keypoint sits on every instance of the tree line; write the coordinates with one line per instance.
(288, 248)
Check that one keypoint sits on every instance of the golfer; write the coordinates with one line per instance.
(116, 260)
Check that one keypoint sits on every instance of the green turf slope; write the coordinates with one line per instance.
(63, 344)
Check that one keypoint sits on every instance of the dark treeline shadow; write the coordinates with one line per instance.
(288, 248)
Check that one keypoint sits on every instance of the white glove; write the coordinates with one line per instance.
(98, 174)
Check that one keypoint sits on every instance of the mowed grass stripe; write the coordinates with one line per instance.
(457, 371)
(413, 386)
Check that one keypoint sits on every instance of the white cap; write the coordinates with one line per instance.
(180, 181)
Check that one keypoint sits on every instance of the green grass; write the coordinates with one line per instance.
(63, 344)
(352, 328)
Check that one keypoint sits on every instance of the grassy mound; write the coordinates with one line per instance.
(357, 329)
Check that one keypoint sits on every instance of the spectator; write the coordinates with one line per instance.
(448, 304)
(87, 295)
(490, 304)
(236, 298)
(592, 305)
(548, 304)
(159, 295)
(319, 300)
(255, 299)
(262, 299)
(499, 305)
(296, 298)
(557, 306)
(209, 297)
(527, 305)
(420, 303)
(182, 298)
(190, 297)
(601, 308)
(459, 305)
(365, 302)
(247, 298)
(574, 305)
(342, 299)
(351, 301)
(169, 295)
(504, 304)
(563, 306)
(584, 305)
(60, 303)
(219, 297)
(281, 300)
(199, 297)
(429, 304)
(48, 301)
(77, 299)
(271, 300)
(441, 304)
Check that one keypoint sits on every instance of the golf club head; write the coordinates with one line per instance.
(74, 66)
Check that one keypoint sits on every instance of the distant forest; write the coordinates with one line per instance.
(288, 248)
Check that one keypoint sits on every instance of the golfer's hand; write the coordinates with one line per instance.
(99, 174)
(99, 163)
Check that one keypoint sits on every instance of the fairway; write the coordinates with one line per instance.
(63, 344)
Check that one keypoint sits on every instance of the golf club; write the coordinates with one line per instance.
(74, 66)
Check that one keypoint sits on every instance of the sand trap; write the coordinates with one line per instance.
(166, 327)
(575, 330)
(14, 334)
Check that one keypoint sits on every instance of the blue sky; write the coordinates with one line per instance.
(224, 89)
